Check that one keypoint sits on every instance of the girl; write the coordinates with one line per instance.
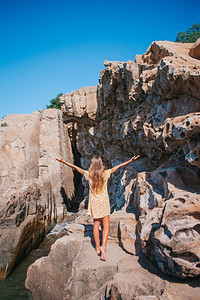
(98, 205)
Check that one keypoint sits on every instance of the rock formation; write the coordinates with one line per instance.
(81, 103)
(31, 181)
(195, 50)
(73, 271)
(151, 107)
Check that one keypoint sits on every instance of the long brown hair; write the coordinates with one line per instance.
(96, 171)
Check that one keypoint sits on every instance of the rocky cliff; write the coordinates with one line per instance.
(151, 107)
(32, 183)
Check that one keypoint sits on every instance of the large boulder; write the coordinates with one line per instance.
(170, 236)
(25, 219)
(184, 132)
(160, 49)
(83, 274)
(46, 278)
(72, 270)
(168, 204)
(195, 50)
(80, 103)
(138, 279)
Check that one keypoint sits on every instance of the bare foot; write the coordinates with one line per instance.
(98, 250)
(103, 253)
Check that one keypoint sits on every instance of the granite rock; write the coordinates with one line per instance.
(169, 229)
(32, 182)
(150, 107)
(195, 49)
(80, 274)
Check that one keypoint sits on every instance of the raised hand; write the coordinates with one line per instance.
(134, 158)
(114, 169)
(60, 159)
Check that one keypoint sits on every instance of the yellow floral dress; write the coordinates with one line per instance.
(98, 205)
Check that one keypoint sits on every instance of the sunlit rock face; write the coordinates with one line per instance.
(195, 50)
(80, 103)
(151, 107)
(31, 181)
(168, 205)
(184, 132)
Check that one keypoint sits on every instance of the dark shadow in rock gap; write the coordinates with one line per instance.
(78, 186)
(66, 200)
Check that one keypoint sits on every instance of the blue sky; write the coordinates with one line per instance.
(48, 47)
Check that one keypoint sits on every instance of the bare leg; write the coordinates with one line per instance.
(96, 234)
(106, 224)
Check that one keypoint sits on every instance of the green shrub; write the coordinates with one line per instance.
(55, 103)
(4, 124)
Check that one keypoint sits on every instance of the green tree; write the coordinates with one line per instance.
(190, 36)
(55, 103)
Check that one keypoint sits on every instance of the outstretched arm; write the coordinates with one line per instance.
(70, 165)
(114, 169)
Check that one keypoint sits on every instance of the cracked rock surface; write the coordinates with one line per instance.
(30, 182)
(79, 274)
(151, 107)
